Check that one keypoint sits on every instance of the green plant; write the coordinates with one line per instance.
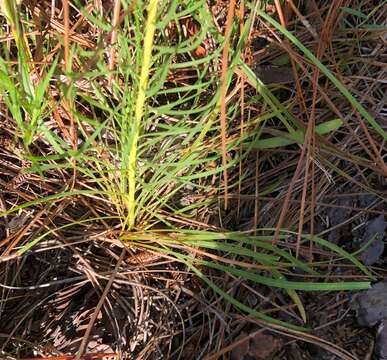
(151, 139)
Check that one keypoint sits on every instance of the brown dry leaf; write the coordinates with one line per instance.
(270, 74)
(261, 346)
(240, 351)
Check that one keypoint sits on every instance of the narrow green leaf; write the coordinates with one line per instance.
(354, 102)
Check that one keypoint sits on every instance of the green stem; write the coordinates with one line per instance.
(139, 110)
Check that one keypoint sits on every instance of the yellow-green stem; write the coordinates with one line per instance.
(139, 110)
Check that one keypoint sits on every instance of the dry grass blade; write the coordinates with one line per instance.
(72, 357)
(116, 17)
(223, 93)
(66, 17)
(98, 308)
(331, 347)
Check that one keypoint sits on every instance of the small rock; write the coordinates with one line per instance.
(374, 230)
(372, 253)
(376, 226)
(381, 341)
(371, 305)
